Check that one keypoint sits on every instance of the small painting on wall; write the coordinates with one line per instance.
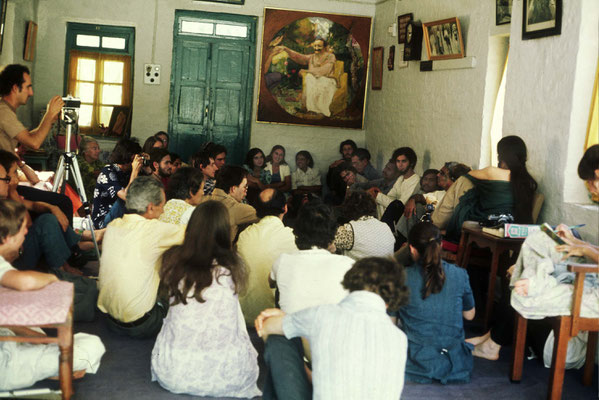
(503, 12)
(443, 39)
(314, 68)
(377, 68)
(541, 18)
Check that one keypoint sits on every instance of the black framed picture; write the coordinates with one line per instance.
(503, 12)
(541, 18)
(3, 4)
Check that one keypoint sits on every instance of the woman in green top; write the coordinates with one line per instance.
(508, 188)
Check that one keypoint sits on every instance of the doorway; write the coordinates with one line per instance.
(212, 82)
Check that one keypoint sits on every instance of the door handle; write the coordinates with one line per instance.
(205, 114)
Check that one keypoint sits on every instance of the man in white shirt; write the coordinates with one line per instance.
(313, 275)
(357, 352)
(132, 248)
(390, 206)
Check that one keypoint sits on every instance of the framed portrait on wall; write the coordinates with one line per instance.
(3, 4)
(402, 23)
(541, 18)
(314, 68)
(377, 67)
(443, 39)
(503, 12)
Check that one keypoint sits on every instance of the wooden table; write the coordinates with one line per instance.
(472, 234)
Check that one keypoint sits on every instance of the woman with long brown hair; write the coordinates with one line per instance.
(203, 347)
(440, 297)
(505, 189)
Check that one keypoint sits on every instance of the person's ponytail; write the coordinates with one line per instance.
(426, 239)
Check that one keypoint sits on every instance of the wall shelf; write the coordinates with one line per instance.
(440, 65)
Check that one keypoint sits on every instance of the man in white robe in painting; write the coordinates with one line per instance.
(320, 83)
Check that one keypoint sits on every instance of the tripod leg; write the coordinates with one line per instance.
(59, 174)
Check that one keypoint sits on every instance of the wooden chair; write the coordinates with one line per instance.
(49, 307)
(564, 327)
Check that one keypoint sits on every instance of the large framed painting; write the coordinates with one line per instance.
(314, 68)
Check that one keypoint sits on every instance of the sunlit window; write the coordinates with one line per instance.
(99, 72)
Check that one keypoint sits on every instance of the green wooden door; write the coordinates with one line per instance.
(211, 92)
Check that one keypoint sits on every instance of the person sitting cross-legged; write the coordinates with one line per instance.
(259, 245)
(363, 235)
(203, 347)
(133, 246)
(23, 364)
(357, 352)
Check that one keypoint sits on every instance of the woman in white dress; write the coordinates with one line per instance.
(203, 348)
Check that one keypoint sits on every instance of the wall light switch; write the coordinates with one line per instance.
(152, 74)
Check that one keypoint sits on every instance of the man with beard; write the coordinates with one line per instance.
(390, 206)
(160, 160)
(334, 181)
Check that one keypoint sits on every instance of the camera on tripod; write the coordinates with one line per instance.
(70, 110)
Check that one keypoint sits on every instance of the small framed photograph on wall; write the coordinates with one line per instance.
(541, 18)
(402, 22)
(443, 39)
(503, 12)
(377, 68)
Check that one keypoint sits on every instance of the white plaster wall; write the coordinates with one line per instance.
(548, 91)
(18, 13)
(439, 114)
(150, 103)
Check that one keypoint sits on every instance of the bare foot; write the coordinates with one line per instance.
(87, 235)
(478, 339)
(76, 375)
(487, 349)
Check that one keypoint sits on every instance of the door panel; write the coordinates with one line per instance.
(211, 90)
(188, 124)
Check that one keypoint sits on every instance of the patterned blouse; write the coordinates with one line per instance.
(174, 210)
(109, 182)
(265, 176)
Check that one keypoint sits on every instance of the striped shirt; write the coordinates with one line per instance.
(357, 353)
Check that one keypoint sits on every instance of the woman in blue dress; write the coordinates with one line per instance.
(440, 297)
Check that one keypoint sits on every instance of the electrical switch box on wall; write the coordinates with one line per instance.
(152, 74)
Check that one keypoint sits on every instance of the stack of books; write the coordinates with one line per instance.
(515, 231)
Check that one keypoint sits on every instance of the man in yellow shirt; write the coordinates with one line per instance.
(130, 262)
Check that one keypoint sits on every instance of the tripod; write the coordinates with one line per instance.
(67, 163)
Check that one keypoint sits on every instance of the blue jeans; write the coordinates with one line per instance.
(286, 378)
(47, 239)
(116, 211)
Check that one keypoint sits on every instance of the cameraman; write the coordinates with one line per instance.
(15, 90)
(110, 192)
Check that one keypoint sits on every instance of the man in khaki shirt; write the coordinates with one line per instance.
(16, 89)
(231, 188)
(130, 262)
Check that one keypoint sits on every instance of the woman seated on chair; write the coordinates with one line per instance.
(184, 192)
(203, 347)
(542, 285)
(506, 189)
(440, 298)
